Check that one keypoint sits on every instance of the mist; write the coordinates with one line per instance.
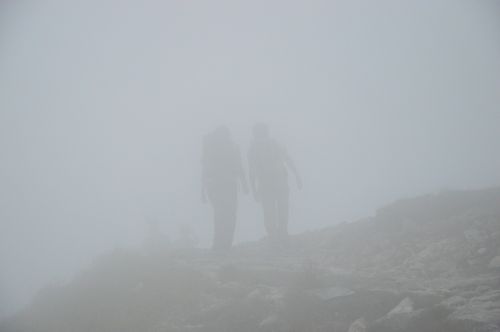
(104, 106)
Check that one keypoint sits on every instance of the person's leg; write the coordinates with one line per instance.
(230, 214)
(268, 209)
(217, 242)
(282, 209)
(215, 195)
(268, 201)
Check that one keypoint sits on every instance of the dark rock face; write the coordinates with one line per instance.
(425, 265)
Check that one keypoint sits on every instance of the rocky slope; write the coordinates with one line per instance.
(430, 263)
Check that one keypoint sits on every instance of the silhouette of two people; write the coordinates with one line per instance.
(222, 174)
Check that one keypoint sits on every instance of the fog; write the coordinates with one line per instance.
(104, 105)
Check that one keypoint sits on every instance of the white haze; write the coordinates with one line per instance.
(103, 105)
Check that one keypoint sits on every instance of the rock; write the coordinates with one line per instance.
(425, 298)
(405, 318)
(482, 251)
(192, 328)
(405, 306)
(474, 236)
(397, 319)
(424, 270)
(266, 294)
(233, 290)
(212, 307)
(481, 289)
(494, 263)
(359, 325)
(370, 304)
(453, 303)
(461, 287)
(330, 293)
(480, 313)
(436, 259)
(273, 323)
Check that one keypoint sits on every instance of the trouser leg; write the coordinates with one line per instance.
(224, 202)
(270, 215)
(282, 209)
(218, 229)
(229, 223)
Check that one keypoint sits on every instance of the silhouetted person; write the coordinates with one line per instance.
(222, 169)
(268, 168)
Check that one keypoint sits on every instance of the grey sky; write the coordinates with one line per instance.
(103, 105)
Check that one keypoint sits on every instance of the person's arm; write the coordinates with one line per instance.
(291, 165)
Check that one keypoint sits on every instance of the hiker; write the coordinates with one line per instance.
(222, 173)
(268, 168)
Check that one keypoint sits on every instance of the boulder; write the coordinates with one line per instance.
(480, 313)
(359, 325)
(397, 319)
